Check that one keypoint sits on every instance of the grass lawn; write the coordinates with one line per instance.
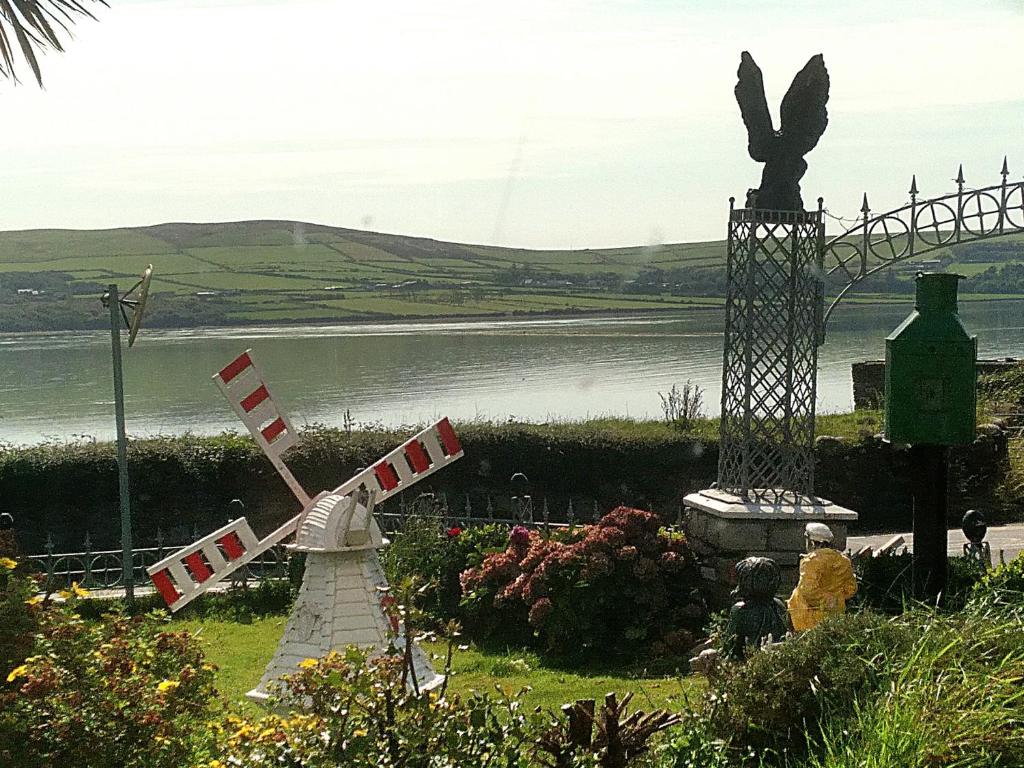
(241, 651)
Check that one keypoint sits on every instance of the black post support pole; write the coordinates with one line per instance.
(127, 565)
(930, 467)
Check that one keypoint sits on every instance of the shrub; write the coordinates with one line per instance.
(17, 616)
(435, 555)
(885, 583)
(682, 409)
(358, 713)
(1003, 585)
(119, 693)
(770, 703)
(189, 480)
(691, 745)
(623, 586)
(1002, 391)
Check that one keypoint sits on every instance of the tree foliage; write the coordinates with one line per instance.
(31, 27)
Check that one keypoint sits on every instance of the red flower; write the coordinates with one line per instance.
(453, 532)
(519, 537)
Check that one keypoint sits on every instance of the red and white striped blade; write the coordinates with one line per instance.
(191, 571)
(428, 451)
(241, 382)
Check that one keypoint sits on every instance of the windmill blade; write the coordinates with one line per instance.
(419, 457)
(189, 572)
(241, 382)
(428, 451)
(193, 570)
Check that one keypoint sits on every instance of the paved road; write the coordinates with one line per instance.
(1006, 538)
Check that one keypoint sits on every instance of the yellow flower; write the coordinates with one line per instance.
(17, 672)
(167, 685)
(8, 564)
(35, 600)
(75, 591)
(359, 732)
(307, 664)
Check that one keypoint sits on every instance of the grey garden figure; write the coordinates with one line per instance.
(758, 617)
(976, 550)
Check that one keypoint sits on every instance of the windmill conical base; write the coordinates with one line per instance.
(338, 605)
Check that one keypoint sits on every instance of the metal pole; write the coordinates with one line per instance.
(127, 572)
(930, 466)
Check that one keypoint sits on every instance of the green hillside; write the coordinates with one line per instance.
(279, 271)
(284, 271)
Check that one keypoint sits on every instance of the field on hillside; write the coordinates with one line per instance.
(277, 271)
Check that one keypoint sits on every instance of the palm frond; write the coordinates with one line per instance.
(32, 24)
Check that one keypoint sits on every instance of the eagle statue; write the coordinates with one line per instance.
(803, 119)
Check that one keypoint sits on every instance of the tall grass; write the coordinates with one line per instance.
(877, 735)
(956, 699)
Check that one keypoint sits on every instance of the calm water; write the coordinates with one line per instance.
(58, 386)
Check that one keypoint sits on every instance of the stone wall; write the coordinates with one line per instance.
(869, 379)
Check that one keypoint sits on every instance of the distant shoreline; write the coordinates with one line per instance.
(555, 314)
(398, 319)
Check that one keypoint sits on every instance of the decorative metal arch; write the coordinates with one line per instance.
(964, 216)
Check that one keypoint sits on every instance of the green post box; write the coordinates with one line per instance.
(930, 394)
(930, 380)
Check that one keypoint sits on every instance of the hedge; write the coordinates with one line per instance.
(185, 482)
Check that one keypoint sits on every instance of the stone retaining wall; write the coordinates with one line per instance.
(869, 379)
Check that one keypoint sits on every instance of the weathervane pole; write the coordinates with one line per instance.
(127, 572)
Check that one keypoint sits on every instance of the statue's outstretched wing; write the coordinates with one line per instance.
(754, 108)
(803, 114)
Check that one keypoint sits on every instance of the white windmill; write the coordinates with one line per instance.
(343, 597)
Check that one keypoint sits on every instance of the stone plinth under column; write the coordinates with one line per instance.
(723, 529)
(339, 604)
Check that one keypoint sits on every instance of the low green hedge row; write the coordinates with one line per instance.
(186, 482)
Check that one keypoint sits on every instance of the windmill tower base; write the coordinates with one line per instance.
(338, 605)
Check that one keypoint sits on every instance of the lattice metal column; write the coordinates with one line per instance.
(774, 299)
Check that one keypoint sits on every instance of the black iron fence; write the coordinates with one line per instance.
(101, 569)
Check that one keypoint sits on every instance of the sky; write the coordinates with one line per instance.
(534, 124)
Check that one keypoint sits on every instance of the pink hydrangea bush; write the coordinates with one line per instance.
(624, 585)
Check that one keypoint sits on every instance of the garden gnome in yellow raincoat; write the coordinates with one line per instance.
(826, 580)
